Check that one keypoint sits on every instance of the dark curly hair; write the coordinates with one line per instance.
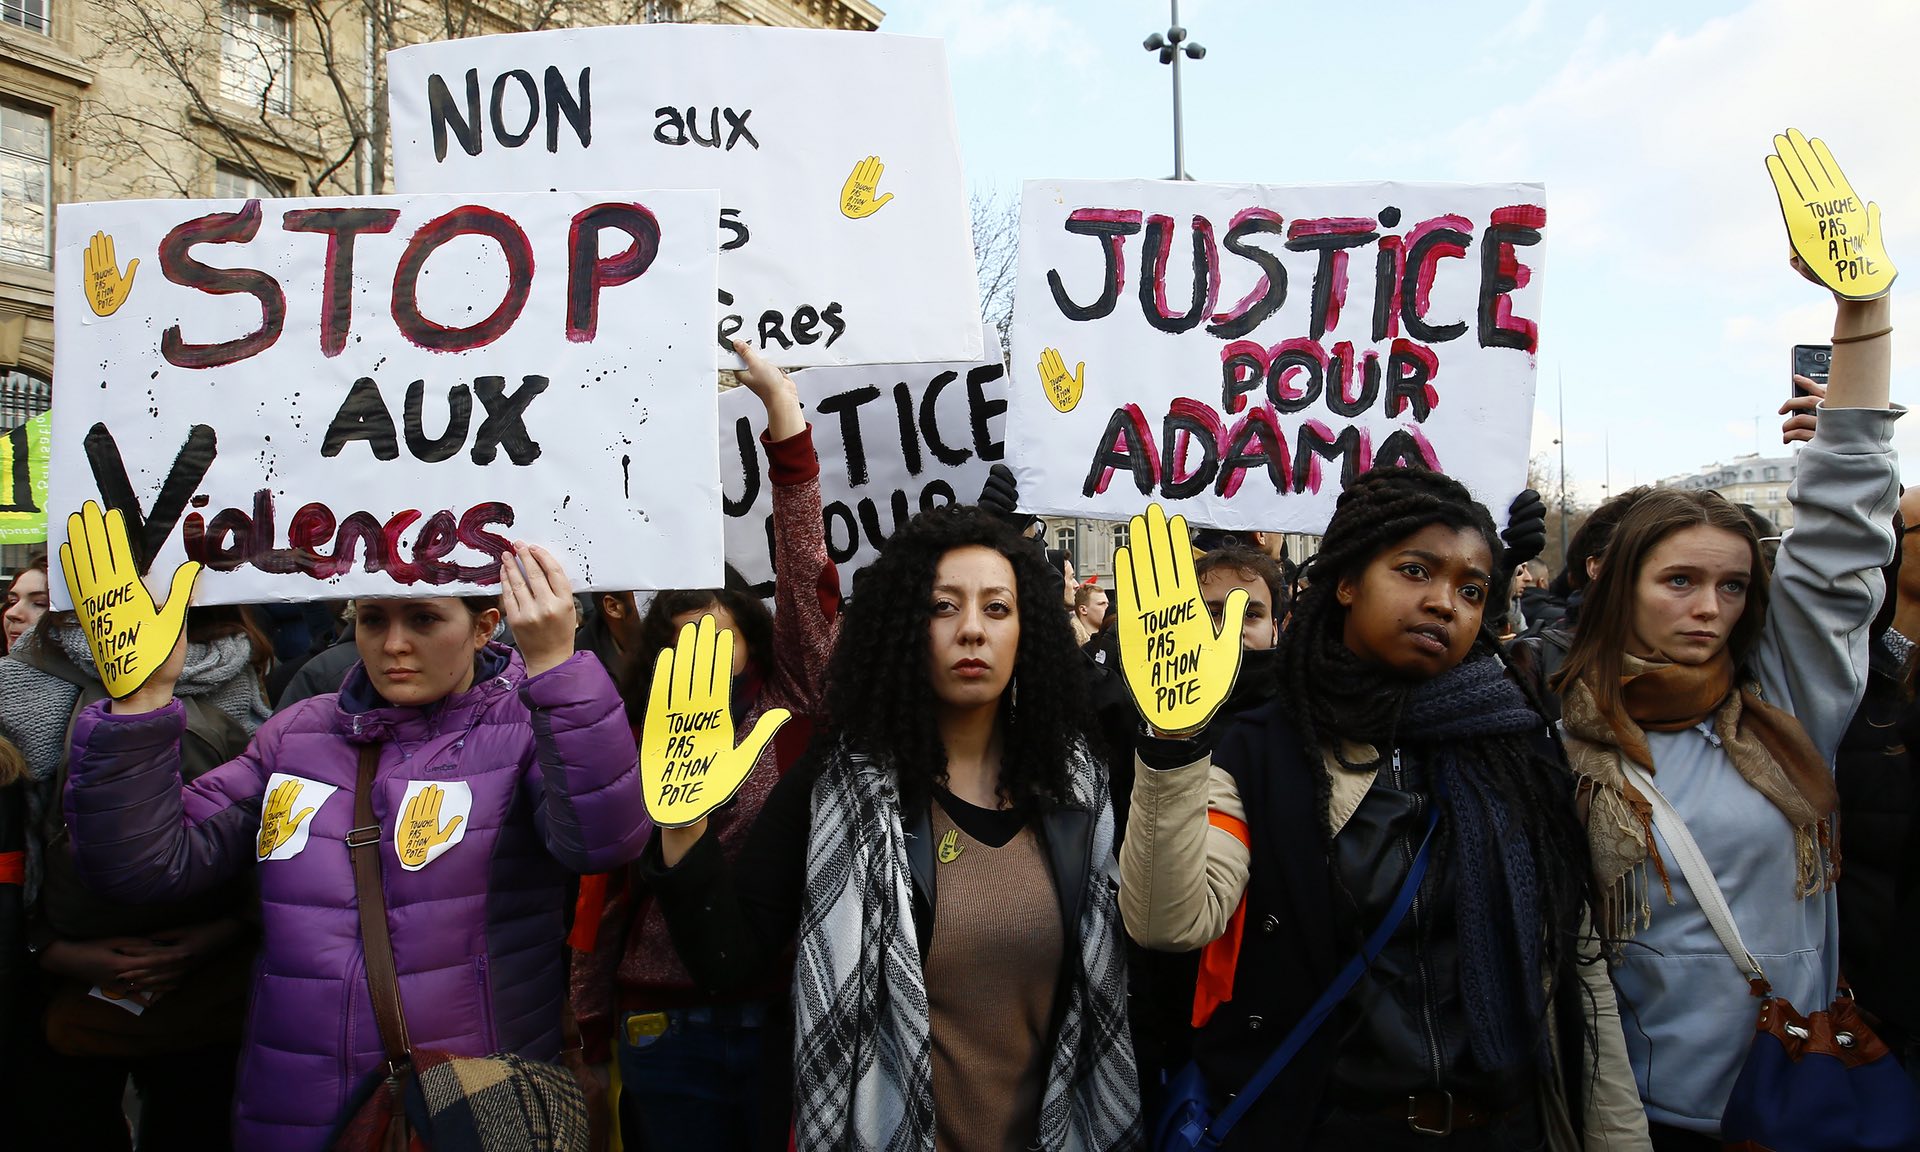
(1333, 696)
(750, 617)
(880, 698)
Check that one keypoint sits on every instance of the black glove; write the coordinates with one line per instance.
(1002, 493)
(1526, 533)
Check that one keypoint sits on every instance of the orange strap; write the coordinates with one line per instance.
(1221, 959)
(13, 867)
(587, 910)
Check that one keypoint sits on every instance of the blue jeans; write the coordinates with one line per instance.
(694, 1087)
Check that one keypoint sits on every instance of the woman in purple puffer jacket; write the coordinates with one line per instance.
(500, 772)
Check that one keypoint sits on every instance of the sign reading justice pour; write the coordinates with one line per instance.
(1233, 352)
(374, 396)
(843, 223)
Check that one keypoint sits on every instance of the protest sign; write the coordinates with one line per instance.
(689, 764)
(23, 479)
(1237, 350)
(844, 230)
(373, 397)
(893, 441)
(1835, 233)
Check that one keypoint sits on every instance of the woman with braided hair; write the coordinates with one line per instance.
(1481, 1024)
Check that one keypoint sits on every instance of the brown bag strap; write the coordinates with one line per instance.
(383, 980)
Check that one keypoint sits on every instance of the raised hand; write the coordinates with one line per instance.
(278, 820)
(1802, 411)
(856, 195)
(105, 286)
(1526, 531)
(1178, 666)
(1063, 387)
(1836, 236)
(689, 764)
(129, 636)
(537, 599)
(420, 830)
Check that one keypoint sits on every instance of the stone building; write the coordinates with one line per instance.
(124, 99)
(1760, 481)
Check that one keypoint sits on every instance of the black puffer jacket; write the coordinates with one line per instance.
(1879, 887)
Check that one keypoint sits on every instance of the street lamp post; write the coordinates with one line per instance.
(1172, 46)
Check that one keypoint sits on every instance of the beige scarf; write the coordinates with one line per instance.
(1768, 746)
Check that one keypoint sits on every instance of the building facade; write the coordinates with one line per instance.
(1758, 481)
(129, 99)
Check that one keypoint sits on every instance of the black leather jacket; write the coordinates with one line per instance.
(1403, 1030)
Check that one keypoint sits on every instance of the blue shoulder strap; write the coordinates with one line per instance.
(1336, 991)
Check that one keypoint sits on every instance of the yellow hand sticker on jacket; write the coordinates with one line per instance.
(105, 286)
(1063, 387)
(286, 814)
(1178, 665)
(688, 762)
(856, 195)
(433, 818)
(1835, 234)
(129, 635)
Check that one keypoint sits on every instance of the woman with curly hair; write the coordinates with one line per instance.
(942, 860)
(1396, 735)
(691, 1064)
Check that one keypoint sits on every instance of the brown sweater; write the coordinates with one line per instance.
(991, 972)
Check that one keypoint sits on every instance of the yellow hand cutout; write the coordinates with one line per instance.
(278, 822)
(1178, 666)
(1835, 235)
(129, 636)
(106, 288)
(420, 830)
(688, 763)
(1063, 387)
(856, 196)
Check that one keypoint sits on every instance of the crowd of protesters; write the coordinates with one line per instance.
(970, 898)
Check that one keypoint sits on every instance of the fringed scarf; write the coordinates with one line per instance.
(863, 1046)
(1767, 746)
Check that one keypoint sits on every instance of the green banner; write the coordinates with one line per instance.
(23, 481)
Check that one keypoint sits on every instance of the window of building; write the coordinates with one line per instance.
(28, 14)
(1773, 473)
(661, 12)
(1065, 537)
(231, 183)
(256, 55)
(1120, 535)
(26, 184)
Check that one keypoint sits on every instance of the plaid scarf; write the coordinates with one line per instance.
(503, 1103)
(863, 1044)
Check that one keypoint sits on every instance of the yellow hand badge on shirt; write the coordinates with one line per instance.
(689, 764)
(286, 814)
(433, 818)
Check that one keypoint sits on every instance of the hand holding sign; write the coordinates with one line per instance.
(856, 195)
(1178, 666)
(278, 821)
(106, 288)
(688, 762)
(1063, 387)
(1835, 235)
(420, 828)
(131, 638)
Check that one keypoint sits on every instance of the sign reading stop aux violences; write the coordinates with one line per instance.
(373, 396)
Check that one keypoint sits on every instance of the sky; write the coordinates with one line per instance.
(1669, 309)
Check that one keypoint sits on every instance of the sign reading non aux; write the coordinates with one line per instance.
(844, 230)
(326, 398)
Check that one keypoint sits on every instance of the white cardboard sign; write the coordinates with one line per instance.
(893, 441)
(373, 396)
(1235, 351)
(844, 229)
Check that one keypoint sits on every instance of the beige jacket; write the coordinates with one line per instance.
(1181, 879)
